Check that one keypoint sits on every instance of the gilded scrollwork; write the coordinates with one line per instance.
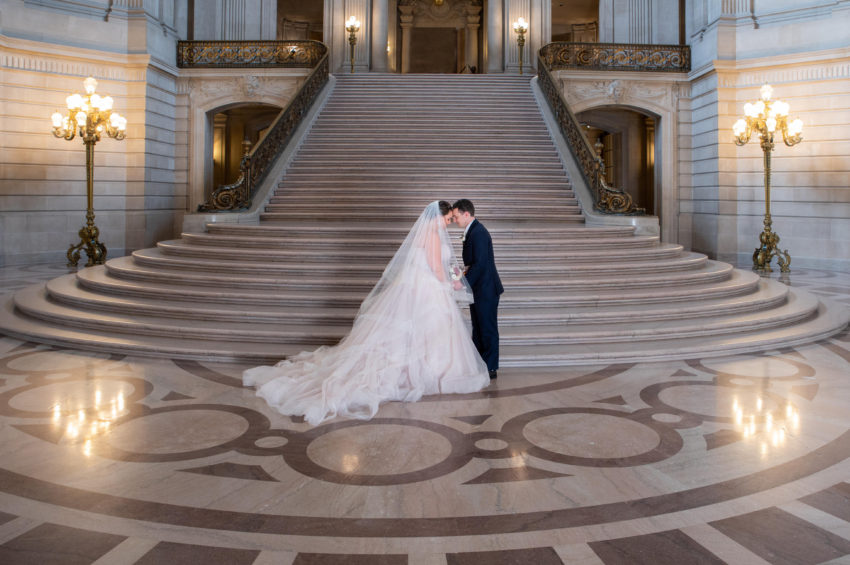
(256, 164)
(230, 54)
(617, 57)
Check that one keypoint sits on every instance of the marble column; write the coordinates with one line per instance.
(406, 28)
(473, 22)
(495, 36)
(379, 36)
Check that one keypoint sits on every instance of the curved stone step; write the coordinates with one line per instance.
(14, 324)
(828, 319)
(355, 211)
(123, 276)
(823, 322)
(499, 229)
(505, 246)
(35, 302)
(67, 291)
(509, 272)
(540, 258)
(369, 216)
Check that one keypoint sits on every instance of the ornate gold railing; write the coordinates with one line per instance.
(617, 57)
(256, 164)
(262, 54)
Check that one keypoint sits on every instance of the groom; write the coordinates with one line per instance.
(484, 279)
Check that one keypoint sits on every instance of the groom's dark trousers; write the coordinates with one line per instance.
(486, 287)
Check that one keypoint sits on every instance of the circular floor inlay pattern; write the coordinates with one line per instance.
(491, 444)
(270, 442)
(591, 435)
(716, 401)
(752, 367)
(98, 394)
(177, 431)
(384, 449)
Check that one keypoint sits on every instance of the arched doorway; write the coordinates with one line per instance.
(627, 142)
(235, 130)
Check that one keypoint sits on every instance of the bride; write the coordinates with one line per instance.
(408, 339)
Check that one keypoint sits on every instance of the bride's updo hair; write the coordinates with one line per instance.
(445, 207)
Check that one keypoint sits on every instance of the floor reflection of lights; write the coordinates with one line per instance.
(84, 423)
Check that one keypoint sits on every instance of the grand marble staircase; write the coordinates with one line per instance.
(382, 148)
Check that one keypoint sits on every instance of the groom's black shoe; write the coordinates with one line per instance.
(492, 375)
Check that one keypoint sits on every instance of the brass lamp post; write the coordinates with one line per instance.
(766, 118)
(520, 27)
(352, 26)
(89, 115)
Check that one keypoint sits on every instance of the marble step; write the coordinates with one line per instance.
(505, 246)
(828, 319)
(426, 184)
(384, 165)
(379, 198)
(541, 259)
(824, 322)
(499, 229)
(357, 210)
(360, 111)
(521, 177)
(293, 263)
(124, 276)
(14, 324)
(364, 216)
(36, 303)
(72, 290)
(381, 137)
(329, 151)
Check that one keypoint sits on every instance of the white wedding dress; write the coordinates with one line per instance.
(408, 339)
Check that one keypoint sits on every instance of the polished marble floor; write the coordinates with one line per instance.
(742, 459)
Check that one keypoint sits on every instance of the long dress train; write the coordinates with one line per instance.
(408, 339)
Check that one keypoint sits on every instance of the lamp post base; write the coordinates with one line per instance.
(764, 254)
(95, 250)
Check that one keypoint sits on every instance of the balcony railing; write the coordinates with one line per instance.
(617, 57)
(258, 54)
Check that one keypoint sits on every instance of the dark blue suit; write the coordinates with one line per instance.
(486, 288)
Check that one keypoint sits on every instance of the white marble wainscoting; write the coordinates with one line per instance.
(740, 459)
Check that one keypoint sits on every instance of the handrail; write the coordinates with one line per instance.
(617, 57)
(258, 54)
(256, 164)
(607, 200)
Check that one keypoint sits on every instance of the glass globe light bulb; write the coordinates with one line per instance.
(766, 92)
(796, 127)
(90, 84)
(739, 127)
(771, 124)
(81, 118)
(74, 101)
(57, 119)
